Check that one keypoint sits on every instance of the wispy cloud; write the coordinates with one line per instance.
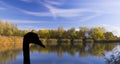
(2, 8)
(50, 5)
(112, 28)
(50, 2)
(54, 2)
(65, 13)
(26, 0)
(108, 7)
(90, 17)
(36, 13)
(55, 11)
(6, 6)
(106, 3)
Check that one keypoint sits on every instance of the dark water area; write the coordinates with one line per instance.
(89, 53)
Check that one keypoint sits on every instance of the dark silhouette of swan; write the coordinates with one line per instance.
(30, 38)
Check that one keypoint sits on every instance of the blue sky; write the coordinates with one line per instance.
(50, 14)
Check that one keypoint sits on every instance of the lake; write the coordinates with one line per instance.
(89, 53)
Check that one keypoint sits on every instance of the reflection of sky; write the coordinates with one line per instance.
(49, 14)
(96, 54)
(115, 51)
(53, 58)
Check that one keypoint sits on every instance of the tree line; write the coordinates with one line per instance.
(11, 29)
(95, 33)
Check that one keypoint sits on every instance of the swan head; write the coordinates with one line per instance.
(32, 37)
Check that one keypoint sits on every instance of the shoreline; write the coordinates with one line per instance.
(6, 40)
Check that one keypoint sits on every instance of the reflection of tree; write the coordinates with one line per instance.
(82, 52)
(73, 50)
(95, 50)
(98, 50)
(10, 54)
(109, 47)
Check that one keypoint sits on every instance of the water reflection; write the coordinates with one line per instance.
(94, 50)
(10, 55)
(114, 56)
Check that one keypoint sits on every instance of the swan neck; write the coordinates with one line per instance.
(26, 53)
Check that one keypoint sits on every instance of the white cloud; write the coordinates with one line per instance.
(57, 12)
(50, 2)
(20, 21)
(108, 7)
(54, 2)
(97, 9)
(6, 6)
(90, 17)
(107, 3)
(36, 13)
(114, 29)
(65, 13)
(26, 0)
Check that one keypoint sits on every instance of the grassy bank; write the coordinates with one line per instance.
(15, 40)
(6, 40)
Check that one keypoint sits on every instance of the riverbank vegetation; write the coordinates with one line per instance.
(8, 30)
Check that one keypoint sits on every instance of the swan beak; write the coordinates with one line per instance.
(40, 44)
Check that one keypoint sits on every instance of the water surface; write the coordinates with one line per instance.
(98, 53)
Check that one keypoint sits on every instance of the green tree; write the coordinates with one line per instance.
(15, 29)
(52, 34)
(43, 33)
(60, 32)
(97, 33)
(82, 32)
(7, 29)
(72, 33)
(109, 36)
(23, 32)
(2, 27)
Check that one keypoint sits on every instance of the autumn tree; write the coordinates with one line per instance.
(97, 33)
(83, 31)
(7, 29)
(15, 29)
(52, 33)
(43, 33)
(72, 33)
(60, 32)
(109, 36)
(2, 27)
